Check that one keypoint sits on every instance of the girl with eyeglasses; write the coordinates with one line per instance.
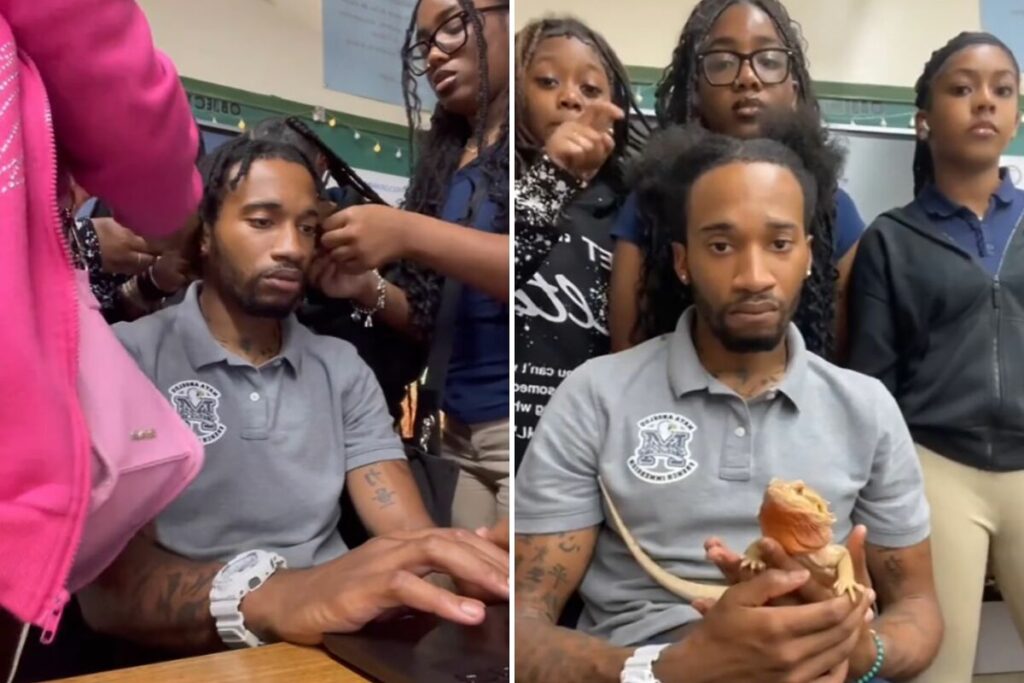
(453, 227)
(735, 60)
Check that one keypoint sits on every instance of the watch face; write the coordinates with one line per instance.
(241, 565)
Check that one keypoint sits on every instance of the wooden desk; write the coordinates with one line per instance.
(269, 664)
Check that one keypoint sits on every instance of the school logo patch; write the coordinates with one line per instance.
(196, 403)
(663, 454)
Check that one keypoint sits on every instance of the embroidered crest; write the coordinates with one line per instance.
(663, 454)
(196, 403)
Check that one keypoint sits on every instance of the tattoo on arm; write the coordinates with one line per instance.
(548, 569)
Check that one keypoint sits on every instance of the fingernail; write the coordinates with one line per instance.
(472, 609)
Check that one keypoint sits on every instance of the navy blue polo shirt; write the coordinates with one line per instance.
(849, 224)
(477, 386)
(984, 239)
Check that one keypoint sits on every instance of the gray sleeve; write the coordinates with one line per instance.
(892, 505)
(368, 432)
(556, 486)
(128, 334)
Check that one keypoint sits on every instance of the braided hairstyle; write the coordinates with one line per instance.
(435, 159)
(924, 166)
(662, 298)
(681, 155)
(243, 151)
(528, 146)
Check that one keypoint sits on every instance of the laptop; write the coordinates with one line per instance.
(422, 648)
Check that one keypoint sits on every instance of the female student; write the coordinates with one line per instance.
(937, 314)
(735, 60)
(572, 125)
(453, 226)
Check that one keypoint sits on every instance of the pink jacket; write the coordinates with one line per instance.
(83, 72)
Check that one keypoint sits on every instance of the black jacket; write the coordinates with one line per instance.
(944, 336)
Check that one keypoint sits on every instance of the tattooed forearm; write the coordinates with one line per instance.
(155, 598)
(549, 568)
(910, 623)
(384, 498)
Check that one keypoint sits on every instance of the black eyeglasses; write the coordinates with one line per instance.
(449, 38)
(722, 67)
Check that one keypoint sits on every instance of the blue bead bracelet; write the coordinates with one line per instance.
(879, 659)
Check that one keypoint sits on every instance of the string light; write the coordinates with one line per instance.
(377, 148)
(241, 124)
(356, 135)
(332, 122)
(398, 153)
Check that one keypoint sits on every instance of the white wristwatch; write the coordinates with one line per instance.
(242, 575)
(638, 667)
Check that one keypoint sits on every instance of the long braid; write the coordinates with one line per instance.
(924, 165)
(435, 160)
(528, 39)
(662, 298)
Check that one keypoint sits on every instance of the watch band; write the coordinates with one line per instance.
(239, 577)
(638, 667)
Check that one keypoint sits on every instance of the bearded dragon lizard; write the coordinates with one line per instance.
(793, 514)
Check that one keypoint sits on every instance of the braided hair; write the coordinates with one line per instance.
(435, 159)
(662, 297)
(679, 156)
(924, 166)
(243, 151)
(528, 39)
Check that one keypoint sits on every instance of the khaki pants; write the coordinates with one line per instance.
(481, 451)
(977, 517)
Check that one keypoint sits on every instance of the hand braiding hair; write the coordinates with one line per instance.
(435, 159)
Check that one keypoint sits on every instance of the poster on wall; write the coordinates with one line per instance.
(1005, 19)
(363, 41)
(391, 188)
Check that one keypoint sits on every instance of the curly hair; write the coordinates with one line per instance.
(924, 167)
(435, 159)
(677, 157)
(626, 135)
(677, 104)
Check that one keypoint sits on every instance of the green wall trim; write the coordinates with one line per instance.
(225, 106)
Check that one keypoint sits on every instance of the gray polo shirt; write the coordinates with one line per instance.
(278, 439)
(685, 457)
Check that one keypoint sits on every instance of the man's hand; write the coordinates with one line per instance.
(362, 238)
(582, 146)
(122, 251)
(743, 639)
(383, 574)
(497, 534)
(774, 556)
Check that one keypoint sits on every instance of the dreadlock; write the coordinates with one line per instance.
(676, 104)
(243, 152)
(679, 156)
(924, 166)
(435, 159)
(528, 39)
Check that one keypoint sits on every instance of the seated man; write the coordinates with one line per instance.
(288, 419)
(687, 430)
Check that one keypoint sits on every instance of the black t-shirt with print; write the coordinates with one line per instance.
(561, 311)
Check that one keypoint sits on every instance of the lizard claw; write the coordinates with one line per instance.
(754, 564)
(847, 587)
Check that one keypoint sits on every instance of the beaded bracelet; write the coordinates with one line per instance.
(366, 314)
(879, 659)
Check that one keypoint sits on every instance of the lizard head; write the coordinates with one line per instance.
(796, 516)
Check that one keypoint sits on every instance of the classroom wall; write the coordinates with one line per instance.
(878, 42)
(270, 47)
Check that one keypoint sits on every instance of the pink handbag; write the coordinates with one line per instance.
(143, 454)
